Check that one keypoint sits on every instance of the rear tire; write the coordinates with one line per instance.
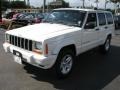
(105, 48)
(64, 63)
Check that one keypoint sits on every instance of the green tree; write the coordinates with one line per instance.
(12, 4)
(64, 5)
(115, 2)
(18, 4)
(0, 9)
(5, 4)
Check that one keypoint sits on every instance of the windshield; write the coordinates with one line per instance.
(66, 17)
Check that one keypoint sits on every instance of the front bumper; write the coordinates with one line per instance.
(31, 57)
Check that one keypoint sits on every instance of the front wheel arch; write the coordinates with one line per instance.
(62, 53)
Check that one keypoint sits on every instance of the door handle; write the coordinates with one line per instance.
(106, 27)
(97, 29)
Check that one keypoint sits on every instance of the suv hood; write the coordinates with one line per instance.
(39, 30)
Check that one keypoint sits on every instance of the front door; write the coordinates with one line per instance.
(90, 32)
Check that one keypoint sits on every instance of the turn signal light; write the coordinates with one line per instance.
(37, 51)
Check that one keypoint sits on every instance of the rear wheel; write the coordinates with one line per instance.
(106, 46)
(64, 63)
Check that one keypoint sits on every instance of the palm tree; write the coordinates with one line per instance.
(106, 2)
(97, 1)
(115, 4)
(83, 4)
(0, 9)
(114, 1)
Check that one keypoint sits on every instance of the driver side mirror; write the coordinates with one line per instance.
(90, 25)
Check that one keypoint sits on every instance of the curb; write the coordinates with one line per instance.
(117, 32)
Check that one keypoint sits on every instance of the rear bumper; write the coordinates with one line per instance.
(31, 57)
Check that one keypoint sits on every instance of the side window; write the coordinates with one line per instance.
(102, 20)
(109, 18)
(91, 21)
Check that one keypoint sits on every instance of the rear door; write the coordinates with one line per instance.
(110, 22)
(102, 26)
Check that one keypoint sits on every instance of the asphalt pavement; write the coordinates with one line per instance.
(93, 71)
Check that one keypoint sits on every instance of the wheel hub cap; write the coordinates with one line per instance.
(66, 64)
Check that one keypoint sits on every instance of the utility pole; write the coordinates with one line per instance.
(106, 2)
(28, 2)
(9, 1)
(115, 6)
(48, 7)
(97, 1)
(83, 4)
(44, 3)
(0, 9)
(115, 3)
(25, 2)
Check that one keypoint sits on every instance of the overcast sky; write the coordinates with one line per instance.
(38, 3)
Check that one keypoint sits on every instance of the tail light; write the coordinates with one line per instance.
(46, 49)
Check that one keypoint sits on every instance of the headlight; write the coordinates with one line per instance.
(7, 38)
(38, 45)
(37, 48)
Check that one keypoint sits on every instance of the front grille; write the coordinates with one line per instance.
(21, 42)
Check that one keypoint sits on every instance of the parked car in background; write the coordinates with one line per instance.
(46, 14)
(9, 15)
(0, 21)
(6, 19)
(117, 21)
(29, 18)
(16, 16)
(24, 19)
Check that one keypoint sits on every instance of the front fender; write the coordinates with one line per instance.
(62, 43)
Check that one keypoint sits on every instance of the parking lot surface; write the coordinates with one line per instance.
(93, 71)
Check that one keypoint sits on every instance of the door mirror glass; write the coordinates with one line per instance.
(91, 22)
(90, 25)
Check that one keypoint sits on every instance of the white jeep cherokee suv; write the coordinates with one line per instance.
(64, 34)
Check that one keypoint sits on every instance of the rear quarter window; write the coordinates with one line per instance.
(109, 18)
(102, 19)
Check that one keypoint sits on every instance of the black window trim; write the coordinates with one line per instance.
(99, 21)
(107, 18)
(86, 17)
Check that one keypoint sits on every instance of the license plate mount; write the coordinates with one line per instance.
(17, 56)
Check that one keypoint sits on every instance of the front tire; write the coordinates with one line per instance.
(64, 63)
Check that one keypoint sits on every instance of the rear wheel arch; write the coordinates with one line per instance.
(104, 48)
(109, 36)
